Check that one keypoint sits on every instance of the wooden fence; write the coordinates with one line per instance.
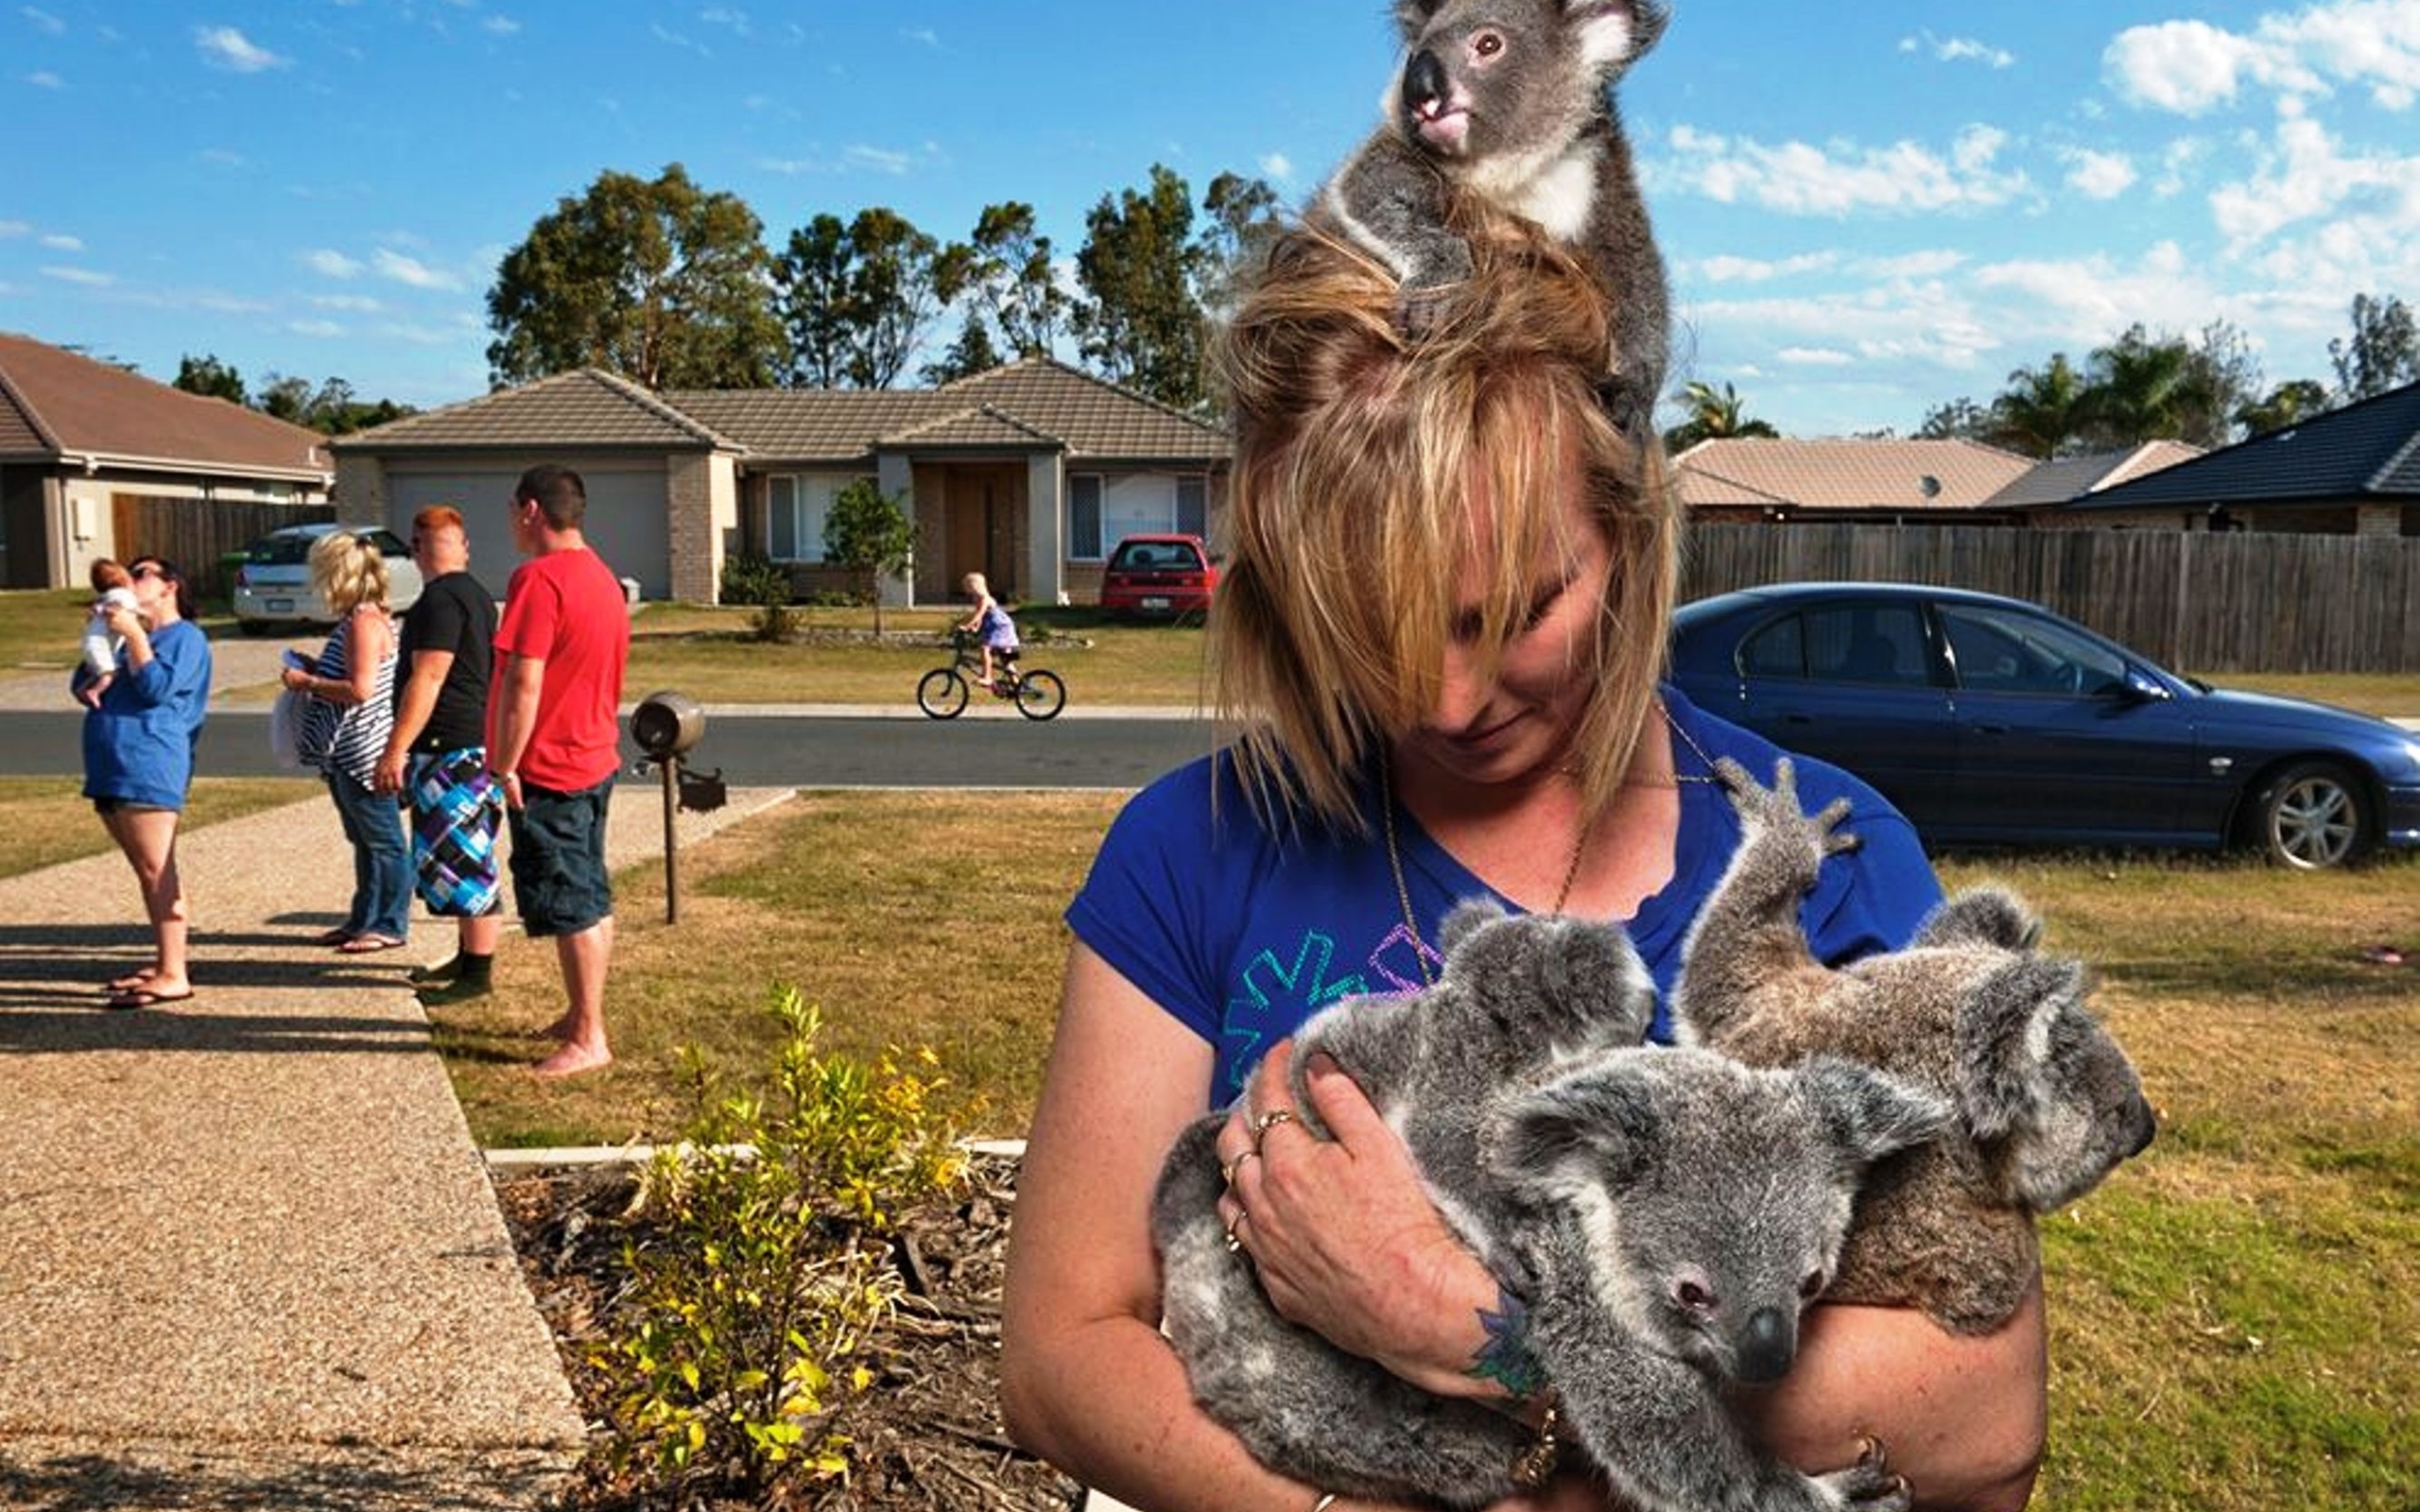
(196, 533)
(2234, 602)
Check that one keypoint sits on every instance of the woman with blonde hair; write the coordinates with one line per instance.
(351, 689)
(1440, 637)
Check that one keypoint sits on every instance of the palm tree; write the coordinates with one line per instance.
(1714, 417)
(2043, 411)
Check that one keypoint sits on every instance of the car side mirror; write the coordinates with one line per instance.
(2141, 687)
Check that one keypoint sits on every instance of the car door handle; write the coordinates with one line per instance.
(1991, 730)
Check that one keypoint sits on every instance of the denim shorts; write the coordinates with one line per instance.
(558, 860)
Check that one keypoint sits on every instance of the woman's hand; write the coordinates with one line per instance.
(1343, 1234)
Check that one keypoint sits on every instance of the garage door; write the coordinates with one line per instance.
(628, 518)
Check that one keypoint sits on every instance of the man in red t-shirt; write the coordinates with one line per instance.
(552, 746)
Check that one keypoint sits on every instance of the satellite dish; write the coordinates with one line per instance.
(1928, 486)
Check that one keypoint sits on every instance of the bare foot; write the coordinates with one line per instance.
(558, 1031)
(573, 1060)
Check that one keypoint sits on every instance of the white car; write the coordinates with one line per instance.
(273, 587)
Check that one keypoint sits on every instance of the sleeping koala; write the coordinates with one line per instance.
(1664, 1214)
(1511, 101)
(2046, 1102)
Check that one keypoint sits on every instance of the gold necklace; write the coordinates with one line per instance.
(1570, 872)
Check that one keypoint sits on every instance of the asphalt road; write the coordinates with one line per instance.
(790, 751)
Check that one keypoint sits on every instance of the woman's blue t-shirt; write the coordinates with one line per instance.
(1242, 931)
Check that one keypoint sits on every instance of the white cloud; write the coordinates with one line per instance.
(1913, 264)
(921, 36)
(728, 16)
(500, 25)
(1798, 178)
(79, 275)
(220, 158)
(412, 271)
(1814, 358)
(1724, 269)
(14, 228)
(1277, 166)
(1959, 50)
(2305, 178)
(674, 38)
(45, 79)
(2189, 67)
(880, 160)
(330, 264)
(226, 47)
(59, 242)
(42, 21)
(354, 303)
(319, 329)
(2101, 175)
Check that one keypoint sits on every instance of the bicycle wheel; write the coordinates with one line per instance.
(1041, 695)
(942, 694)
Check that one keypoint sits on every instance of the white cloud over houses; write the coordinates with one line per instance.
(2101, 175)
(331, 264)
(226, 47)
(1959, 50)
(412, 271)
(1841, 179)
(84, 276)
(2189, 67)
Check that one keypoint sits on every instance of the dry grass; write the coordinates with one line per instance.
(912, 919)
(45, 820)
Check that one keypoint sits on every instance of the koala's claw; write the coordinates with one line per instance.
(1870, 1485)
(1422, 311)
(1777, 808)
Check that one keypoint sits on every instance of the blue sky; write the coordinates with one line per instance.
(1867, 210)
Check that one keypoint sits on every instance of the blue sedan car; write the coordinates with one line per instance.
(1992, 721)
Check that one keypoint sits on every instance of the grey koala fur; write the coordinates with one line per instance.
(1664, 1214)
(1512, 101)
(2048, 1103)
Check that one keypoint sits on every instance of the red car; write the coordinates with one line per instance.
(1159, 577)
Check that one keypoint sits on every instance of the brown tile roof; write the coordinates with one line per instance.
(1036, 402)
(2073, 477)
(1846, 474)
(56, 404)
(583, 409)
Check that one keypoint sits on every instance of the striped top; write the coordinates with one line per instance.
(350, 738)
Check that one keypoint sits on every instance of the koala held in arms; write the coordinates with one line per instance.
(2048, 1103)
(1511, 101)
(1663, 1215)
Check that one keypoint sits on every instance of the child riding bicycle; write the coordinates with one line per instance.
(990, 622)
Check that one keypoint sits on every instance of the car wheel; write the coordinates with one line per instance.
(2313, 816)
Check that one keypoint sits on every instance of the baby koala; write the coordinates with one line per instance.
(1664, 1214)
(1511, 101)
(2046, 1102)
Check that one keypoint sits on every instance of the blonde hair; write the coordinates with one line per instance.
(348, 572)
(976, 584)
(1359, 451)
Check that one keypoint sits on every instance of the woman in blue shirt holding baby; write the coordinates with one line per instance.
(142, 724)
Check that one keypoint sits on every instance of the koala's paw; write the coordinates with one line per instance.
(1422, 310)
(1868, 1486)
(1774, 810)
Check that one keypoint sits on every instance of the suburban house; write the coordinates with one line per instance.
(1030, 474)
(96, 461)
(2351, 471)
(1748, 480)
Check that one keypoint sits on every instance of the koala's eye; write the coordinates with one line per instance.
(1487, 43)
(1812, 1287)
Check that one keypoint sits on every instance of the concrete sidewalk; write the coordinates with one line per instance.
(248, 1254)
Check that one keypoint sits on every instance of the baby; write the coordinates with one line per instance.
(113, 587)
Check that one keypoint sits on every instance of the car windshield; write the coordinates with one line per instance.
(281, 550)
(1151, 556)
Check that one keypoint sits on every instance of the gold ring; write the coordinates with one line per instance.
(1234, 1241)
(1227, 1172)
(1261, 1125)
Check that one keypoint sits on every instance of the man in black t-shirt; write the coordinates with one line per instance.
(438, 754)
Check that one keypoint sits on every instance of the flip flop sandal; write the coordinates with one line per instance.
(332, 936)
(132, 981)
(369, 944)
(146, 998)
(2382, 956)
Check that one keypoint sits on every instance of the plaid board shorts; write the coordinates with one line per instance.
(455, 811)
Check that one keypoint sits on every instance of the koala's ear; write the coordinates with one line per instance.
(1468, 917)
(1592, 1127)
(1588, 963)
(1414, 16)
(1870, 1114)
(1981, 916)
(1614, 33)
(2003, 1032)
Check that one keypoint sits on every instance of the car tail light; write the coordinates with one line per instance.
(243, 578)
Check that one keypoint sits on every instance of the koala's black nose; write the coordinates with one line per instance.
(2146, 1125)
(1424, 82)
(1766, 1346)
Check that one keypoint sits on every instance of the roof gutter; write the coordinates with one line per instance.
(93, 462)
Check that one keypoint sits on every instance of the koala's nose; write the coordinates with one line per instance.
(1766, 1346)
(1425, 84)
(2146, 1125)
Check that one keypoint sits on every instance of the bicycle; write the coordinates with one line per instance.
(942, 693)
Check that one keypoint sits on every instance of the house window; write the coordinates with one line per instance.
(1083, 517)
(796, 508)
(1102, 511)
